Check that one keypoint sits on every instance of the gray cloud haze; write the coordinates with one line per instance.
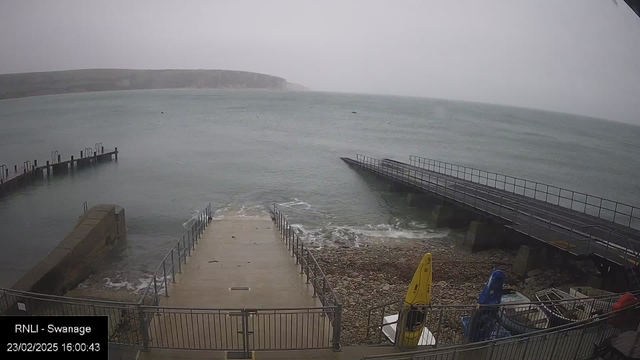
(577, 56)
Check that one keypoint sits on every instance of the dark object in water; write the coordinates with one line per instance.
(353, 112)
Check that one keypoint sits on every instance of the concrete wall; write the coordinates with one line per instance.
(74, 258)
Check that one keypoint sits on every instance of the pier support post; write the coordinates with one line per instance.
(48, 169)
(60, 168)
(15, 168)
(528, 258)
(450, 216)
(420, 200)
(442, 216)
(483, 235)
(397, 187)
(116, 153)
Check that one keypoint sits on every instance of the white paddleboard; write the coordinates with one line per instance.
(389, 330)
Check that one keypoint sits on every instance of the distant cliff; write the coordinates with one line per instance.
(73, 81)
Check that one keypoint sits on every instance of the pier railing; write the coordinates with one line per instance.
(240, 330)
(578, 340)
(124, 317)
(322, 288)
(615, 211)
(304, 257)
(30, 171)
(540, 224)
(450, 325)
(148, 324)
(173, 260)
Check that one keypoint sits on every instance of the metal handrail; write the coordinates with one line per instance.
(475, 175)
(600, 320)
(445, 187)
(575, 225)
(309, 266)
(235, 309)
(182, 248)
(305, 258)
(601, 303)
(598, 298)
(62, 299)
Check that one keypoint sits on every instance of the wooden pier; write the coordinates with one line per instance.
(16, 177)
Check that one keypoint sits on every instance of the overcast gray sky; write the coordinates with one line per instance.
(576, 56)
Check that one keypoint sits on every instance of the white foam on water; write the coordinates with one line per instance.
(219, 213)
(333, 235)
(194, 217)
(253, 211)
(296, 204)
(118, 284)
(303, 206)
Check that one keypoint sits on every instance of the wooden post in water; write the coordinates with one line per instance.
(102, 150)
(58, 157)
(81, 154)
(48, 170)
(71, 163)
(15, 169)
(116, 153)
(35, 163)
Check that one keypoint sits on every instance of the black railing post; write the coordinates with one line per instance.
(297, 249)
(301, 258)
(155, 290)
(164, 273)
(307, 263)
(337, 327)
(144, 327)
(179, 257)
(173, 268)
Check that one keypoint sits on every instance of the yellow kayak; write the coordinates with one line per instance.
(418, 297)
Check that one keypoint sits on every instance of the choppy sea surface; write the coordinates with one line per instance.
(244, 150)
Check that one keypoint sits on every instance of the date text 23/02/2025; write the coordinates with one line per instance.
(42, 336)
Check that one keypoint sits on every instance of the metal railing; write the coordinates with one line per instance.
(304, 257)
(242, 330)
(149, 325)
(543, 225)
(615, 211)
(314, 274)
(460, 324)
(572, 341)
(173, 260)
(124, 320)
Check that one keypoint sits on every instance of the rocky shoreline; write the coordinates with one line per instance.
(377, 274)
